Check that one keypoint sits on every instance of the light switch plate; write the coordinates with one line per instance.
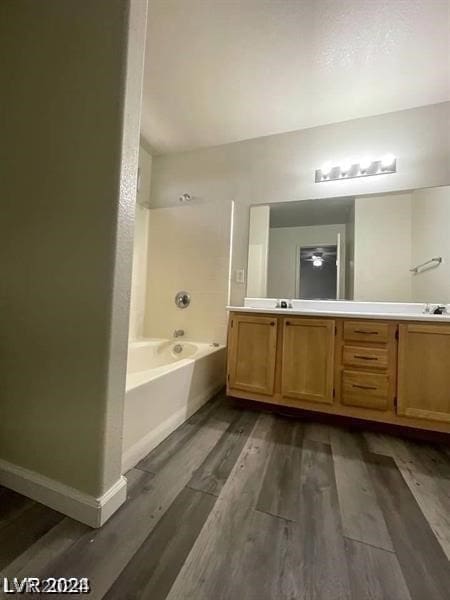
(240, 276)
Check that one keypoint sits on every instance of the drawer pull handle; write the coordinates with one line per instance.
(365, 357)
(366, 332)
(364, 387)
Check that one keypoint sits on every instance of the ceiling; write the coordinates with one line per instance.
(324, 211)
(219, 71)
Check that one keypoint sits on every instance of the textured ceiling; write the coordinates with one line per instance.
(219, 71)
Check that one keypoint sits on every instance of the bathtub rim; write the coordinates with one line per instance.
(169, 367)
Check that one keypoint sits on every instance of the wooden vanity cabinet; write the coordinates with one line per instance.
(366, 365)
(365, 390)
(424, 371)
(395, 372)
(366, 332)
(307, 361)
(252, 343)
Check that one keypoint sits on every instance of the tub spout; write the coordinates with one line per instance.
(178, 333)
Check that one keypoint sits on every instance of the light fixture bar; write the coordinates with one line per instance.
(350, 169)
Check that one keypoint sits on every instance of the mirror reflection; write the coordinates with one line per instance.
(385, 248)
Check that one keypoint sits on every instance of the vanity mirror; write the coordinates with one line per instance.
(381, 248)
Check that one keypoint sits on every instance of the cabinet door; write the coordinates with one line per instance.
(365, 390)
(424, 372)
(307, 362)
(252, 353)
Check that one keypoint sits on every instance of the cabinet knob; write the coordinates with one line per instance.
(272, 323)
(288, 323)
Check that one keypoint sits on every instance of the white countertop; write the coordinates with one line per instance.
(339, 308)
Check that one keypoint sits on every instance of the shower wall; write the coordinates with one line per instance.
(188, 249)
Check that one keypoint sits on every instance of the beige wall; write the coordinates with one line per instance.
(281, 168)
(283, 255)
(140, 248)
(189, 250)
(394, 233)
(383, 248)
(145, 175)
(350, 255)
(258, 252)
(71, 88)
(431, 237)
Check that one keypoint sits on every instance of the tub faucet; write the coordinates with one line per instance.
(178, 333)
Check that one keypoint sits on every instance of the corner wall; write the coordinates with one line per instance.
(431, 224)
(258, 252)
(383, 241)
(140, 248)
(71, 87)
(396, 232)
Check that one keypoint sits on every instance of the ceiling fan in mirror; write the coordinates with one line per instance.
(319, 256)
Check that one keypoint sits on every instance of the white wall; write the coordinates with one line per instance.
(258, 251)
(189, 250)
(431, 237)
(383, 240)
(283, 255)
(350, 255)
(140, 248)
(280, 168)
(145, 175)
(68, 191)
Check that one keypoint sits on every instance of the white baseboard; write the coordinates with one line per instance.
(67, 500)
(146, 444)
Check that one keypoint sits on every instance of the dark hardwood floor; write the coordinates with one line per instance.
(244, 505)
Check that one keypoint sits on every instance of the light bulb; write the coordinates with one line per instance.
(325, 169)
(364, 164)
(387, 161)
(317, 261)
(345, 167)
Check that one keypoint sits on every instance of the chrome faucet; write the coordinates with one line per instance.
(178, 333)
(283, 304)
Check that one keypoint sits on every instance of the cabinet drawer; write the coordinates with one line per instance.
(368, 358)
(366, 390)
(366, 331)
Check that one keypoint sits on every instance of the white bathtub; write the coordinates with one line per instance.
(164, 388)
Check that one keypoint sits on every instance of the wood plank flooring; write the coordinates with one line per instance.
(243, 505)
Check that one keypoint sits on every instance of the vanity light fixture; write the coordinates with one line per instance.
(326, 168)
(387, 161)
(349, 169)
(364, 164)
(346, 167)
